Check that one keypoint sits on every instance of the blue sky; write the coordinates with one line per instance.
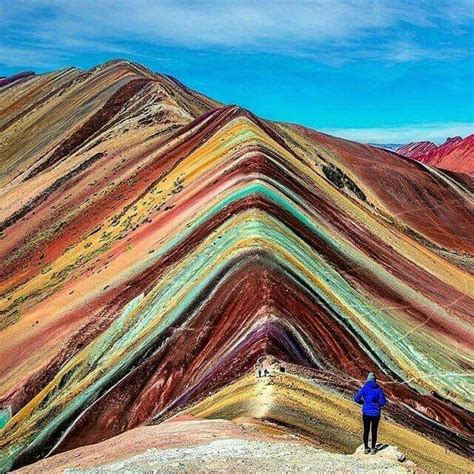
(374, 71)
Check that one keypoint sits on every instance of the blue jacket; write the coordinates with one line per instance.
(372, 398)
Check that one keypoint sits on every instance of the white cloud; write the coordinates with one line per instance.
(436, 133)
(333, 31)
(207, 22)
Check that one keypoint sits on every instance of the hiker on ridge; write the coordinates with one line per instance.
(372, 399)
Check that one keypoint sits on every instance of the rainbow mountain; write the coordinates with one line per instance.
(157, 247)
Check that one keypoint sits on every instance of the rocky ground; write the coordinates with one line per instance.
(236, 455)
(217, 446)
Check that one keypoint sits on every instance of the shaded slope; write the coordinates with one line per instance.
(137, 281)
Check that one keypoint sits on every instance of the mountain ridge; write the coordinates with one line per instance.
(155, 264)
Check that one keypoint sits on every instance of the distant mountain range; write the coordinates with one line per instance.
(387, 146)
(455, 154)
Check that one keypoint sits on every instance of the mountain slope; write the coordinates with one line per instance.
(148, 266)
(55, 115)
(416, 149)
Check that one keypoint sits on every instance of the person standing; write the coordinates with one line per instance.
(372, 399)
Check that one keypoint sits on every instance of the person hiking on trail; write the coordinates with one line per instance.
(372, 399)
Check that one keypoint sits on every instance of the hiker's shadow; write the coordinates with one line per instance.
(380, 447)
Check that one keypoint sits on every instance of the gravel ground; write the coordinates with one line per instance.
(248, 456)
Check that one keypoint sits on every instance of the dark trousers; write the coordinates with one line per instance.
(370, 423)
